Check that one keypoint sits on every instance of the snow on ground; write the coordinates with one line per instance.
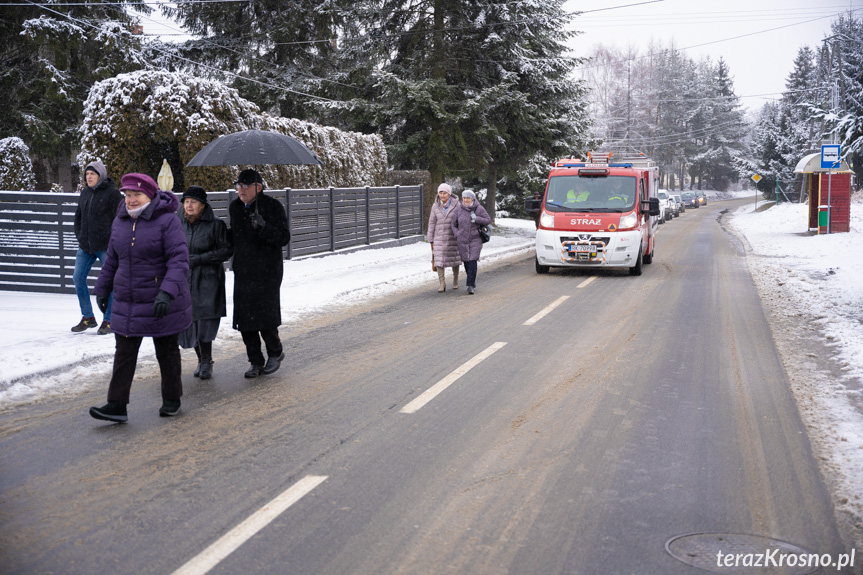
(811, 284)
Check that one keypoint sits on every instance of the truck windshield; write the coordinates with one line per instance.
(590, 194)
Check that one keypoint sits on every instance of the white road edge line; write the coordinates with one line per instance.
(230, 541)
(437, 388)
(547, 310)
(585, 282)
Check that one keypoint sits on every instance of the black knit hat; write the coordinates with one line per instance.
(196, 193)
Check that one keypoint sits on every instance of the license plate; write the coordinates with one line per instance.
(582, 249)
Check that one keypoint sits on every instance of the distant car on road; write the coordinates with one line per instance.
(690, 200)
(681, 207)
(702, 200)
(665, 206)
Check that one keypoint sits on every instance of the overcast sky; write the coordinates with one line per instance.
(758, 39)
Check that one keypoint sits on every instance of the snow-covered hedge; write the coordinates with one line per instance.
(16, 169)
(135, 120)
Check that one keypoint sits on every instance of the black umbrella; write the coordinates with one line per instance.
(255, 148)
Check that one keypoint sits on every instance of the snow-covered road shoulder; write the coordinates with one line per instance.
(812, 288)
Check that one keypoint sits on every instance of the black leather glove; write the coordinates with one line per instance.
(161, 305)
(102, 303)
(257, 221)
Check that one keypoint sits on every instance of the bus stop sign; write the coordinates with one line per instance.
(829, 156)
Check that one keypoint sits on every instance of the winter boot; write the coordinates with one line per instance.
(455, 277)
(470, 290)
(441, 280)
(112, 411)
(198, 353)
(85, 323)
(169, 408)
(205, 365)
(273, 363)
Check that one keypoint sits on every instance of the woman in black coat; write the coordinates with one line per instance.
(207, 240)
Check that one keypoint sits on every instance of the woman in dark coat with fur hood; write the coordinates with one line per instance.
(207, 240)
(147, 269)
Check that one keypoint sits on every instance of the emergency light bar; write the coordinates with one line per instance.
(579, 164)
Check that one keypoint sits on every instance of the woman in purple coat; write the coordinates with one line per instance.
(466, 221)
(147, 267)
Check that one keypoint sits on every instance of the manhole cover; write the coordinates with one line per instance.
(745, 554)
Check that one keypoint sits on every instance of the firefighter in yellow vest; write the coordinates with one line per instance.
(573, 198)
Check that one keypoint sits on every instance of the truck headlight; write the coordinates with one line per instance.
(628, 221)
(546, 220)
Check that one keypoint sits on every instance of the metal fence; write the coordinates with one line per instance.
(38, 244)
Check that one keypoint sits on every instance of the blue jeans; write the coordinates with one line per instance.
(83, 263)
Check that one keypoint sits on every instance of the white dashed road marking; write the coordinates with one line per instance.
(230, 541)
(437, 388)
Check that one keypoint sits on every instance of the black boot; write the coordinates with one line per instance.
(206, 366)
(273, 364)
(198, 353)
(112, 411)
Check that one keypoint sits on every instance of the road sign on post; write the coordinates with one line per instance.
(829, 160)
(830, 156)
(756, 178)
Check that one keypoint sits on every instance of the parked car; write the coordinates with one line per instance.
(665, 206)
(681, 207)
(690, 200)
(675, 204)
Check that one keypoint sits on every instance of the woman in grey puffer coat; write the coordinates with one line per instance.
(466, 223)
(441, 236)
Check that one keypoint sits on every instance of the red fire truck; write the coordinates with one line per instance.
(597, 213)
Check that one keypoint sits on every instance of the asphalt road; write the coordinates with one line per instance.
(637, 410)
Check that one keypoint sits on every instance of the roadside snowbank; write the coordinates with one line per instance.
(812, 287)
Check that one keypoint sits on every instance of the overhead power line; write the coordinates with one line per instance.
(624, 60)
(206, 66)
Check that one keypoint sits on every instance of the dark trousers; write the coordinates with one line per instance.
(126, 359)
(470, 268)
(252, 339)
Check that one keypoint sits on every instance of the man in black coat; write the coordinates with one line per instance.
(97, 208)
(259, 226)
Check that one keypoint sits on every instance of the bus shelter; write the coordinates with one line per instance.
(829, 194)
